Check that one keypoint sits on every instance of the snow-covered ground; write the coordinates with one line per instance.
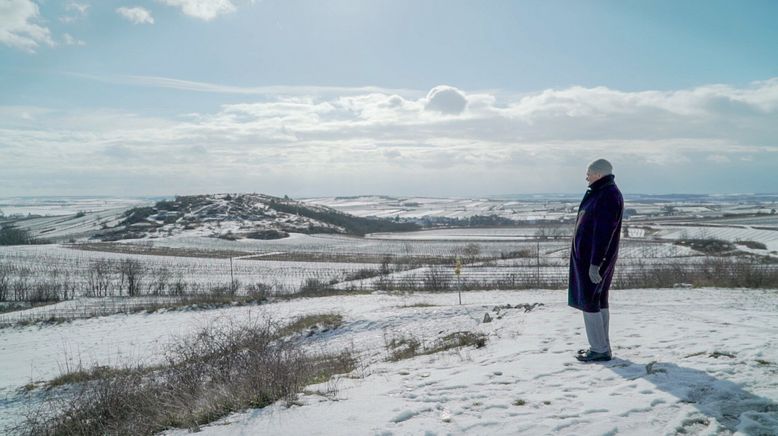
(427, 207)
(483, 234)
(715, 370)
(63, 206)
(206, 272)
(344, 244)
(769, 237)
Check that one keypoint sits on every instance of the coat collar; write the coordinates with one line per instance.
(602, 182)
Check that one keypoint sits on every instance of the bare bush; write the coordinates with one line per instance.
(361, 274)
(550, 230)
(46, 289)
(707, 245)
(131, 273)
(21, 285)
(223, 368)
(407, 346)
(712, 271)
(386, 265)
(312, 286)
(471, 251)
(259, 291)
(178, 285)
(160, 280)
(5, 281)
(99, 277)
(436, 279)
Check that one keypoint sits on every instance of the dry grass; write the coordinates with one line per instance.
(727, 271)
(421, 304)
(147, 304)
(96, 372)
(115, 247)
(221, 369)
(408, 346)
(321, 321)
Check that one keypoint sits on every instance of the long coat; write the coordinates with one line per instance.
(595, 242)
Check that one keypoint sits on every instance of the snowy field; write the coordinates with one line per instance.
(496, 234)
(769, 237)
(376, 244)
(692, 361)
(426, 207)
(63, 206)
(281, 276)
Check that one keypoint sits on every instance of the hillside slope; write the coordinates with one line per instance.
(239, 216)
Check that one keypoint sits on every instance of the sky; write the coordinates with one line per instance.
(403, 97)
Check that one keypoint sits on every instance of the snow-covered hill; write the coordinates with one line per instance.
(227, 216)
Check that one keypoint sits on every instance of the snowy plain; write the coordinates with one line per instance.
(691, 361)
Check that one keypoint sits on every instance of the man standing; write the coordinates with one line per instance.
(593, 257)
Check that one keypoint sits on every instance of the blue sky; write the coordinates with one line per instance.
(391, 97)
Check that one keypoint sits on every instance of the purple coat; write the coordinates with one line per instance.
(595, 242)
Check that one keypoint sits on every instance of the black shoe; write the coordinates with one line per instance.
(586, 350)
(593, 356)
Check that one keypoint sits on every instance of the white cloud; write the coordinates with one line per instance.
(203, 9)
(18, 26)
(76, 12)
(276, 90)
(136, 15)
(495, 140)
(80, 8)
(446, 99)
(719, 158)
(69, 39)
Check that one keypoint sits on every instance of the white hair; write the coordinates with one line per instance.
(601, 166)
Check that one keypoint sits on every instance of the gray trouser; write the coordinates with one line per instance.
(597, 330)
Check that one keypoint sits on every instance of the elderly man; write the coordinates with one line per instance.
(593, 257)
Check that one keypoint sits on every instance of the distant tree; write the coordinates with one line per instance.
(472, 250)
(132, 272)
(10, 235)
(386, 265)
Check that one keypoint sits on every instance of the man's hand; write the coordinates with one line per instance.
(594, 274)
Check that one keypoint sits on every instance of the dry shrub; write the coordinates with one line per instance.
(408, 346)
(224, 367)
(726, 271)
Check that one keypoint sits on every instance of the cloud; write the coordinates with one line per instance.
(446, 99)
(136, 15)
(80, 8)
(76, 12)
(18, 28)
(719, 158)
(190, 85)
(498, 142)
(205, 10)
(69, 39)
